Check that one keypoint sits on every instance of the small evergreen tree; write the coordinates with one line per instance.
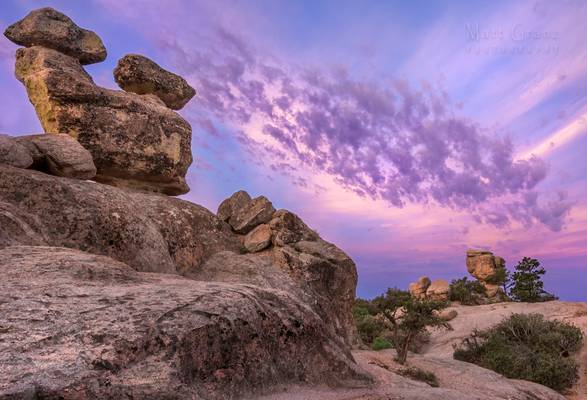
(407, 317)
(527, 282)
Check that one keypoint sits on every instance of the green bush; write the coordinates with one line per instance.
(467, 292)
(419, 375)
(526, 346)
(368, 326)
(381, 343)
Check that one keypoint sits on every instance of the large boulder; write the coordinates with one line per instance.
(80, 326)
(51, 29)
(137, 74)
(287, 228)
(60, 155)
(485, 267)
(135, 140)
(13, 153)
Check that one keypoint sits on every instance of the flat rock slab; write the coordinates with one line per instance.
(77, 325)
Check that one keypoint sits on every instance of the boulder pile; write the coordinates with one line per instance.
(135, 140)
(424, 289)
(109, 290)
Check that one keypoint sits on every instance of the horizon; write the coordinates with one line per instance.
(403, 133)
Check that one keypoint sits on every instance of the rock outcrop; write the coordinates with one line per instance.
(243, 213)
(135, 141)
(418, 289)
(485, 267)
(49, 28)
(137, 74)
(425, 289)
(76, 325)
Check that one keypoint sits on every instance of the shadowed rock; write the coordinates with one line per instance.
(61, 155)
(258, 239)
(135, 141)
(137, 74)
(51, 29)
(244, 214)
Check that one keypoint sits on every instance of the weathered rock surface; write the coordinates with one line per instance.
(438, 290)
(51, 29)
(418, 289)
(134, 140)
(61, 155)
(75, 325)
(258, 239)
(156, 233)
(288, 228)
(138, 74)
(149, 232)
(13, 153)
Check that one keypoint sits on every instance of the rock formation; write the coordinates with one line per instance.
(424, 289)
(233, 304)
(135, 141)
(484, 266)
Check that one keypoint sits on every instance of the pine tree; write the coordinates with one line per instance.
(527, 285)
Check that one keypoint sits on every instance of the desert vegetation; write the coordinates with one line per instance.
(396, 319)
(529, 347)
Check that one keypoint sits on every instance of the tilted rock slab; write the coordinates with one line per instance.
(51, 29)
(135, 141)
(80, 326)
(137, 74)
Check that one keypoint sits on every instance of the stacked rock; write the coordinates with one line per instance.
(261, 223)
(485, 266)
(134, 137)
(425, 289)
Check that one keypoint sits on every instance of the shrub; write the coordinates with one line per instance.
(526, 346)
(381, 343)
(419, 375)
(527, 282)
(466, 292)
(368, 326)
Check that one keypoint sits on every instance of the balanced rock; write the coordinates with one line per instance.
(438, 290)
(135, 141)
(418, 289)
(61, 155)
(13, 153)
(258, 239)
(244, 214)
(138, 74)
(51, 29)
(483, 265)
